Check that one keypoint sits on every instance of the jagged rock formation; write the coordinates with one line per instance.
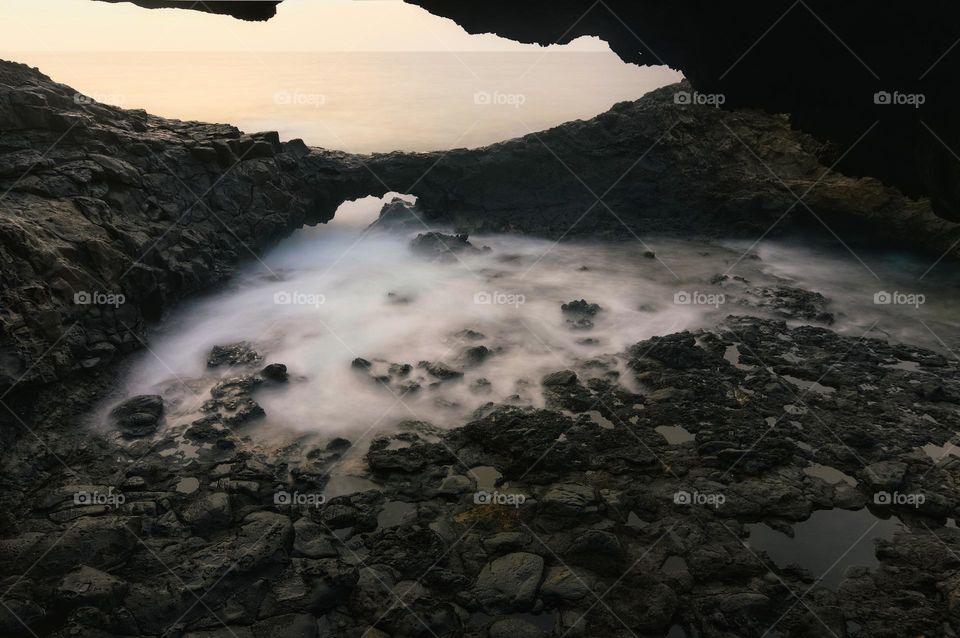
(521, 520)
(818, 60)
(659, 166)
(244, 9)
(110, 215)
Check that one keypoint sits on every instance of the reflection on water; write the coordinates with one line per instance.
(323, 298)
(827, 543)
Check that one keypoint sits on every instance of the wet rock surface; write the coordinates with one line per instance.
(112, 216)
(523, 521)
(441, 247)
(576, 518)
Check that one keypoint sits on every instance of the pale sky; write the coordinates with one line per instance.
(356, 75)
(54, 26)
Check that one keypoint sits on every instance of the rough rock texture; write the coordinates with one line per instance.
(820, 61)
(245, 552)
(243, 9)
(748, 52)
(110, 216)
(741, 172)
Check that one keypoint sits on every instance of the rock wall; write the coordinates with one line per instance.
(818, 60)
(663, 167)
(110, 216)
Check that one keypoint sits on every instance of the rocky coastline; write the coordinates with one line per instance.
(624, 507)
(524, 521)
(103, 204)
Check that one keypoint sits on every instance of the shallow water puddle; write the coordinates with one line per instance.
(827, 543)
(909, 366)
(732, 354)
(674, 434)
(811, 386)
(600, 420)
(829, 474)
(396, 513)
(187, 485)
(635, 521)
(486, 477)
(940, 452)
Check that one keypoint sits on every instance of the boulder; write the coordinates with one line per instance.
(509, 583)
(139, 416)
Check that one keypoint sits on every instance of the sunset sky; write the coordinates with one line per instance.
(358, 75)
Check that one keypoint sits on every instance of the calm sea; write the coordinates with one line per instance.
(363, 101)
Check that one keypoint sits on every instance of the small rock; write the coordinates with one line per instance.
(240, 353)
(139, 415)
(509, 583)
(440, 370)
(563, 377)
(561, 583)
(580, 307)
(210, 512)
(275, 372)
(86, 585)
(338, 444)
(310, 540)
(440, 247)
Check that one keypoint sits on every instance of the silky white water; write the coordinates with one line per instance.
(323, 298)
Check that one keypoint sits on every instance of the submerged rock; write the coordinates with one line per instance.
(580, 314)
(440, 370)
(399, 214)
(444, 248)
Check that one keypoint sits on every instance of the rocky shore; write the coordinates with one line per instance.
(524, 521)
(632, 504)
(111, 216)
